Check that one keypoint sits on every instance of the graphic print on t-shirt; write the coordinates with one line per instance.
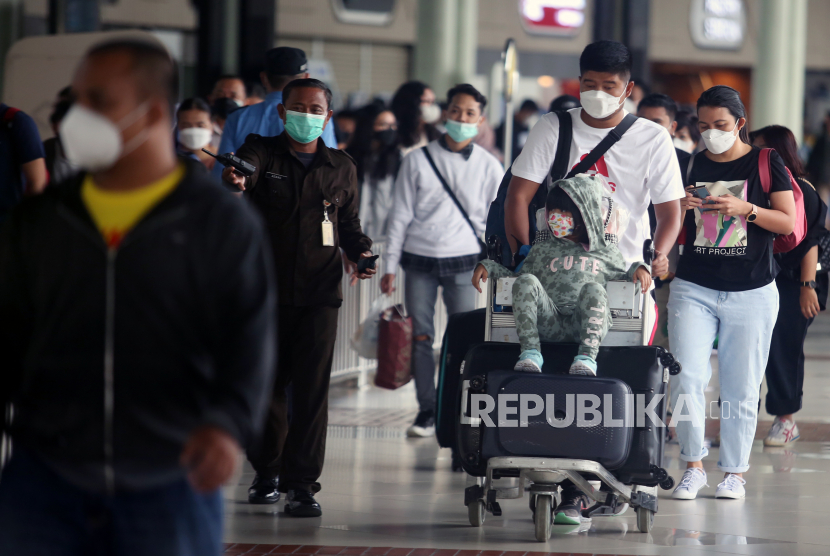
(715, 233)
(598, 168)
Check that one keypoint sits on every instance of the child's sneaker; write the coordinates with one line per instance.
(530, 361)
(731, 487)
(782, 432)
(692, 481)
(583, 365)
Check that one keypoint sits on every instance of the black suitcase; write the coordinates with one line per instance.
(464, 330)
(536, 437)
(645, 369)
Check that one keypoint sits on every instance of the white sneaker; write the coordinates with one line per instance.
(782, 432)
(692, 481)
(423, 426)
(527, 366)
(731, 487)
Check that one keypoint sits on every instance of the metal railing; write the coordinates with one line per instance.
(357, 300)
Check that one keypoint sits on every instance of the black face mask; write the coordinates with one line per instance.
(386, 137)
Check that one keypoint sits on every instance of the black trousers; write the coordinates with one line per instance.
(294, 449)
(785, 366)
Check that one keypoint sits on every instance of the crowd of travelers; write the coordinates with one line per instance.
(162, 313)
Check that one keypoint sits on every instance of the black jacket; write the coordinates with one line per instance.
(290, 199)
(112, 358)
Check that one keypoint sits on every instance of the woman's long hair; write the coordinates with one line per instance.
(721, 96)
(360, 146)
(782, 140)
(406, 105)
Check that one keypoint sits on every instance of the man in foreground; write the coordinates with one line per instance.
(137, 333)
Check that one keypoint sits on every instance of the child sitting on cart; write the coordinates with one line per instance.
(559, 294)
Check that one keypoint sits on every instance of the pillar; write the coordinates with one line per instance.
(435, 49)
(774, 67)
(466, 44)
(256, 36)
(796, 66)
(217, 41)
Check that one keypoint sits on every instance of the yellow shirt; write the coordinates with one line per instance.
(117, 212)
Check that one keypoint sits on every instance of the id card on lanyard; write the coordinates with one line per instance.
(328, 227)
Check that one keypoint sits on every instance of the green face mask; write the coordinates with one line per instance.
(461, 132)
(302, 127)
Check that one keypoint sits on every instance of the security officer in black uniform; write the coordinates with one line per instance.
(308, 195)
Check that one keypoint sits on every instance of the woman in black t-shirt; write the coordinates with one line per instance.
(724, 288)
(801, 293)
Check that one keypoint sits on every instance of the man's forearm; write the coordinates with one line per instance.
(519, 194)
(668, 226)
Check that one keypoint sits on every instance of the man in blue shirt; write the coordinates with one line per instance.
(282, 65)
(22, 164)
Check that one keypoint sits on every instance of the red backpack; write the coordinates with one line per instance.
(782, 244)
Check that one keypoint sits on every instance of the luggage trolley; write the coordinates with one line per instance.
(633, 320)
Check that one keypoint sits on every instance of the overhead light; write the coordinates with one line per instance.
(545, 81)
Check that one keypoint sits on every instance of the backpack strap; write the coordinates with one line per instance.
(764, 170)
(563, 146)
(455, 200)
(689, 170)
(607, 142)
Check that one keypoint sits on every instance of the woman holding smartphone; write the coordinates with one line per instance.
(725, 288)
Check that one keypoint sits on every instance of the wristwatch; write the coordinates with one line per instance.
(752, 215)
(809, 284)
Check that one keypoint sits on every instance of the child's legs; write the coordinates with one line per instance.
(747, 320)
(693, 325)
(591, 319)
(534, 310)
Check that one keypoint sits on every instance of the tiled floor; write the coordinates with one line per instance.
(385, 494)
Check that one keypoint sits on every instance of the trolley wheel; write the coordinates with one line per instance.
(668, 484)
(645, 520)
(476, 513)
(543, 517)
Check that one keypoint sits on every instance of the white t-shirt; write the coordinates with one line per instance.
(640, 168)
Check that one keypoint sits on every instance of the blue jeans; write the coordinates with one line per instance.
(43, 515)
(743, 323)
(421, 291)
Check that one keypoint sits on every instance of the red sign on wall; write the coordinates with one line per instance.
(552, 17)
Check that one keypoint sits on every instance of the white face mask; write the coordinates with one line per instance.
(194, 138)
(599, 104)
(686, 145)
(430, 113)
(93, 143)
(718, 141)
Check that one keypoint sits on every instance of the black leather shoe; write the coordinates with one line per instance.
(301, 503)
(263, 491)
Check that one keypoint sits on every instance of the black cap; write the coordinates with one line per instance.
(285, 60)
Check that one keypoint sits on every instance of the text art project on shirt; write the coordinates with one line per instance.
(718, 234)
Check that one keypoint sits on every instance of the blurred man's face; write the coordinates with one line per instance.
(659, 116)
(233, 89)
(465, 109)
(105, 84)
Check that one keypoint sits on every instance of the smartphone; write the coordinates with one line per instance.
(367, 263)
(701, 193)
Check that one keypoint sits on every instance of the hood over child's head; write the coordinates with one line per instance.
(582, 197)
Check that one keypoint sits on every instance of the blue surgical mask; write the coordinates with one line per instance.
(461, 132)
(304, 128)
